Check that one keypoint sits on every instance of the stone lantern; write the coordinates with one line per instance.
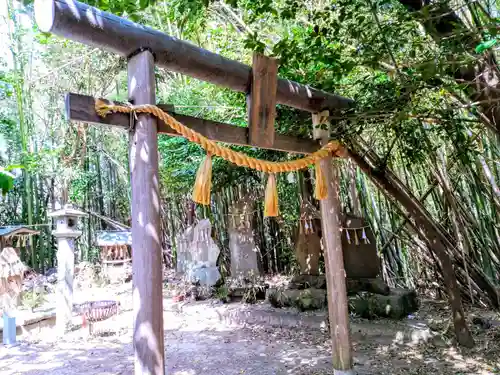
(66, 220)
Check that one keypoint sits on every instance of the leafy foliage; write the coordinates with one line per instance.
(129, 8)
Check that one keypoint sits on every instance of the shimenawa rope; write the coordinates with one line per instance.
(202, 187)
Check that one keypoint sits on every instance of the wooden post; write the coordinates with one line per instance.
(338, 310)
(335, 273)
(146, 246)
(262, 101)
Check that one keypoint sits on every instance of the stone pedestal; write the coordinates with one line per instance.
(65, 276)
(398, 304)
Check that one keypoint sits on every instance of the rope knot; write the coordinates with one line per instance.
(102, 108)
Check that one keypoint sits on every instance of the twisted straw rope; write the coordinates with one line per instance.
(213, 148)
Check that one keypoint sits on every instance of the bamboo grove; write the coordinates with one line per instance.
(425, 81)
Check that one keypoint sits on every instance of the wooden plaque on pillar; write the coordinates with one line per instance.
(262, 101)
(321, 126)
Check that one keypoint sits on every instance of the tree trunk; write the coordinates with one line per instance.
(458, 229)
(353, 191)
(41, 218)
(376, 286)
(86, 205)
(100, 194)
(53, 208)
(21, 91)
(191, 212)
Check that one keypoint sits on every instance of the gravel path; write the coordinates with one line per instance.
(194, 344)
(213, 339)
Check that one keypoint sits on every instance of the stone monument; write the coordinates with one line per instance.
(244, 252)
(203, 253)
(361, 260)
(308, 244)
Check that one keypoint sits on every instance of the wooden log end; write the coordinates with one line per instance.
(45, 11)
(67, 106)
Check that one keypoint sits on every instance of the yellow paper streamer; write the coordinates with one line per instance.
(203, 183)
(271, 198)
(320, 190)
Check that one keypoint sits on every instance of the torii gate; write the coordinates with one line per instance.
(145, 47)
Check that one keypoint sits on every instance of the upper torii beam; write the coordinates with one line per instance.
(88, 25)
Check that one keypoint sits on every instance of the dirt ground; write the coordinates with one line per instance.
(217, 339)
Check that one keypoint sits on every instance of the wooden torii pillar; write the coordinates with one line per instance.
(338, 311)
(145, 47)
(147, 269)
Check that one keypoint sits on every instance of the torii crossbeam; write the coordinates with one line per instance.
(145, 47)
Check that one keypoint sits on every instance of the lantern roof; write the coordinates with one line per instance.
(67, 210)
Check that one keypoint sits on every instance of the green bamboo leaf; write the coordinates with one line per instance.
(485, 45)
(14, 166)
(6, 181)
